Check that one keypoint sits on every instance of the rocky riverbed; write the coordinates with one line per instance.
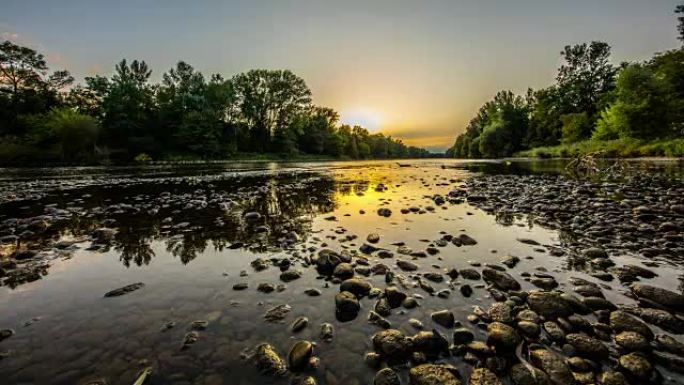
(349, 273)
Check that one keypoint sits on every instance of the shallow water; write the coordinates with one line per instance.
(181, 231)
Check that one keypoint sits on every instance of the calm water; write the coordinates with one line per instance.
(181, 231)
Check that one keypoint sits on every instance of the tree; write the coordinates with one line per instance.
(585, 77)
(266, 100)
(643, 108)
(680, 21)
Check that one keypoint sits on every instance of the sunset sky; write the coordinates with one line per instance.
(417, 70)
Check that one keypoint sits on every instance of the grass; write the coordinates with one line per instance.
(619, 148)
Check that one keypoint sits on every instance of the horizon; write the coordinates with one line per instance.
(416, 73)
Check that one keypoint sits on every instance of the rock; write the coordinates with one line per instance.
(610, 377)
(553, 365)
(327, 332)
(587, 346)
(430, 342)
(510, 261)
(669, 344)
(466, 290)
(528, 375)
(267, 361)
(636, 365)
(549, 304)
(500, 279)
(466, 240)
(189, 339)
(598, 303)
(620, 321)
(382, 307)
(376, 319)
(434, 277)
(299, 355)
(666, 298)
(266, 287)
(632, 342)
(373, 238)
(529, 329)
(240, 286)
(409, 303)
(386, 376)
(406, 265)
(346, 302)
(356, 286)
(502, 335)
(308, 380)
(443, 317)
(463, 336)
(384, 212)
(483, 376)
(471, 274)
(661, 318)
(6, 333)
(327, 261)
(290, 275)
(125, 290)
(594, 252)
(500, 312)
(394, 296)
(433, 374)
(312, 292)
(103, 235)
(554, 330)
(299, 324)
(393, 345)
(344, 270)
(278, 313)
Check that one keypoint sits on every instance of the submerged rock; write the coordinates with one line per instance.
(434, 374)
(267, 360)
(125, 290)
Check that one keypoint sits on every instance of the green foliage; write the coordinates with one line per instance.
(185, 116)
(576, 127)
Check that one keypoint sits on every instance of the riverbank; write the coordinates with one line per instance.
(619, 148)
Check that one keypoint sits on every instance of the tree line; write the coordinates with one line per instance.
(44, 117)
(591, 100)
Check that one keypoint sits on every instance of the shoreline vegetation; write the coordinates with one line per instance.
(594, 107)
(125, 118)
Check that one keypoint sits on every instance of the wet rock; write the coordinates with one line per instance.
(610, 377)
(346, 302)
(632, 342)
(549, 304)
(386, 376)
(483, 376)
(189, 339)
(466, 240)
(382, 307)
(373, 360)
(299, 355)
(409, 303)
(290, 275)
(343, 271)
(384, 212)
(669, 344)
(594, 252)
(636, 365)
(500, 312)
(356, 286)
(327, 261)
(666, 298)
(259, 264)
(434, 277)
(240, 286)
(327, 332)
(125, 290)
(299, 324)
(430, 342)
(312, 292)
(620, 321)
(278, 313)
(393, 345)
(266, 287)
(466, 290)
(406, 265)
(463, 336)
(433, 374)
(471, 274)
(529, 329)
(443, 317)
(502, 336)
(394, 296)
(660, 318)
(598, 303)
(373, 238)
(510, 261)
(376, 319)
(553, 365)
(6, 333)
(500, 279)
(528, 375)
(267, 360)
(587, 346)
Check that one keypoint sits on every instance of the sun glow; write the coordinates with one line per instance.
(363, 117)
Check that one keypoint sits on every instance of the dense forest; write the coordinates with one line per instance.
(631, 109)
(45, 118)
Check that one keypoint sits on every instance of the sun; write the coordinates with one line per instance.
(363, 117)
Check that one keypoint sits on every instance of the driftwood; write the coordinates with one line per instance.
(589, 165)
